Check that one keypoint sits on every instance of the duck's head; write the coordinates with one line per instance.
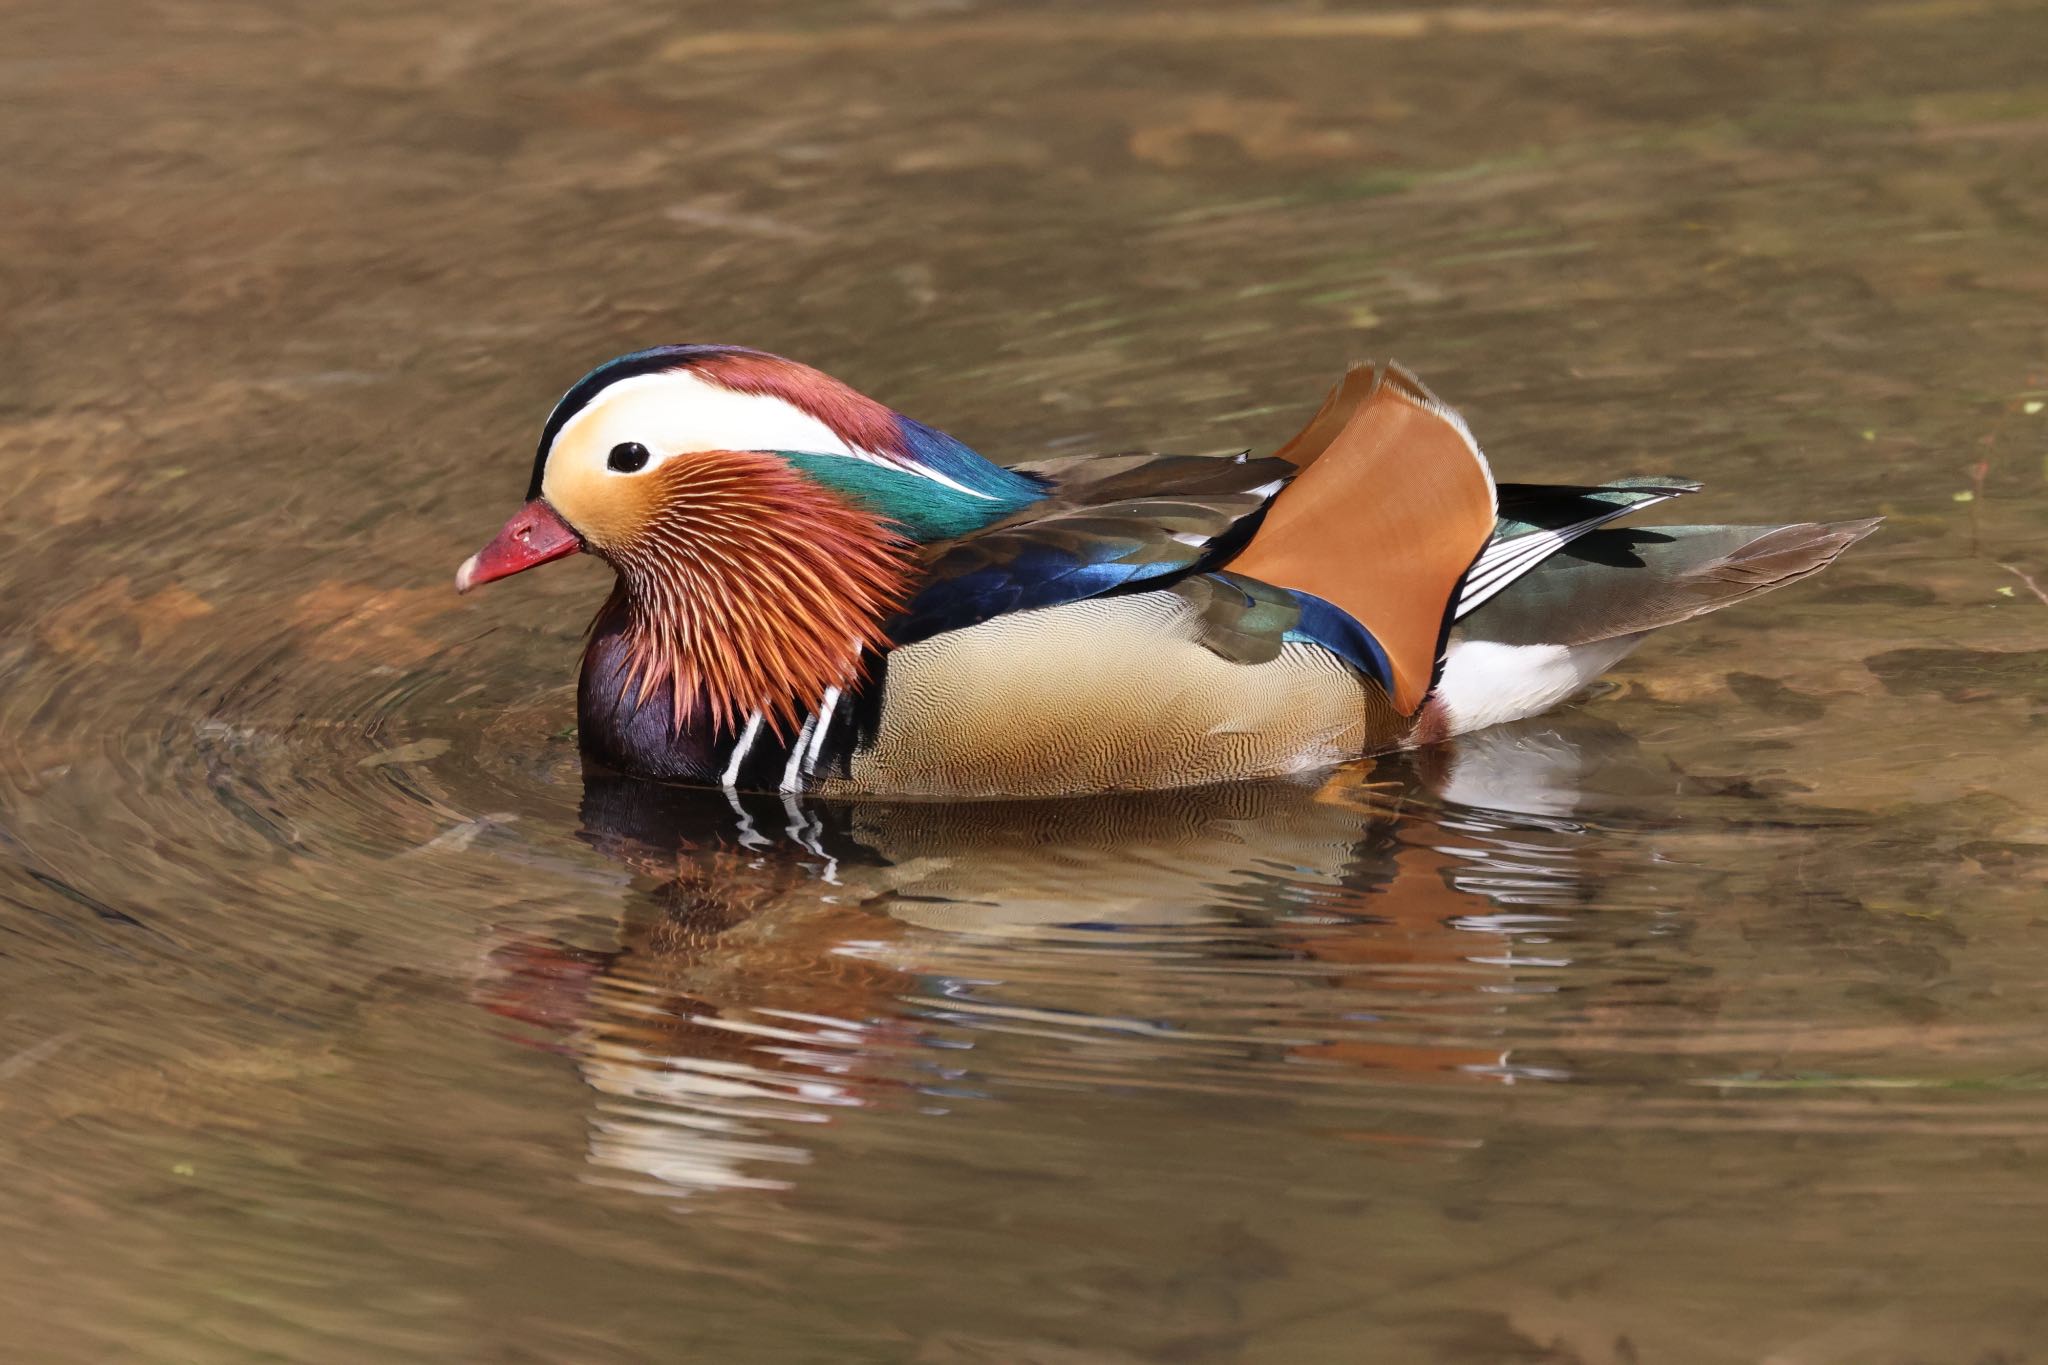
(760, 514)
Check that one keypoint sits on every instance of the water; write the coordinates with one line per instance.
(340, 1021)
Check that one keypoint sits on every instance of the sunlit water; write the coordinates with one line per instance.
(340, 1020)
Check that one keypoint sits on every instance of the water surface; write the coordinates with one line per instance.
(341, 1020)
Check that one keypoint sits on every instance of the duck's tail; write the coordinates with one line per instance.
(1497, 600)
(1573, 616)
(1612, 583)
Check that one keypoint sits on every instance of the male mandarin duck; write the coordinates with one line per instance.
(818, 594)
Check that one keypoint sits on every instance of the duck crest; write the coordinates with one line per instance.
(869, 429)
(752, 590)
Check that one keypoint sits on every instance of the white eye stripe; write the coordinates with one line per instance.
(677, 413)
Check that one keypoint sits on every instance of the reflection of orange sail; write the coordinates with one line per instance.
(1412, 924)
(780, 966)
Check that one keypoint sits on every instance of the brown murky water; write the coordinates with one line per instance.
(340, 1021)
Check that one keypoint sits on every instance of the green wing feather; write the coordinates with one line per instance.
(1526, 507)
(1242, 619)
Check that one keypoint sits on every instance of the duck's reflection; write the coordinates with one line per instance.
(781, 962)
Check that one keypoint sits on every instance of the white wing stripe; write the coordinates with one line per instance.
(1502, 556)
(1504, 561)
(1497, 570)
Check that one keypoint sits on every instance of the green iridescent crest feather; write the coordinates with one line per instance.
(924, 508)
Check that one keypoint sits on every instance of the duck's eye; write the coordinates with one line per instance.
(628, 457)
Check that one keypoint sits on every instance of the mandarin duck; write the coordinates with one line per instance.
(816, 593)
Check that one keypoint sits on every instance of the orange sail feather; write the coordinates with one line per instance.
(1393, 503)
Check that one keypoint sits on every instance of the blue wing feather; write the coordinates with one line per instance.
(1091, 538)
(1323, 623)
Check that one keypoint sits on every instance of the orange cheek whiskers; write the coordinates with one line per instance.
(750, 590)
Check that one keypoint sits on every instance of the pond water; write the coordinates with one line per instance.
(341, 1020)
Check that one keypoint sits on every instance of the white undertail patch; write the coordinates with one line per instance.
(1488, 683)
